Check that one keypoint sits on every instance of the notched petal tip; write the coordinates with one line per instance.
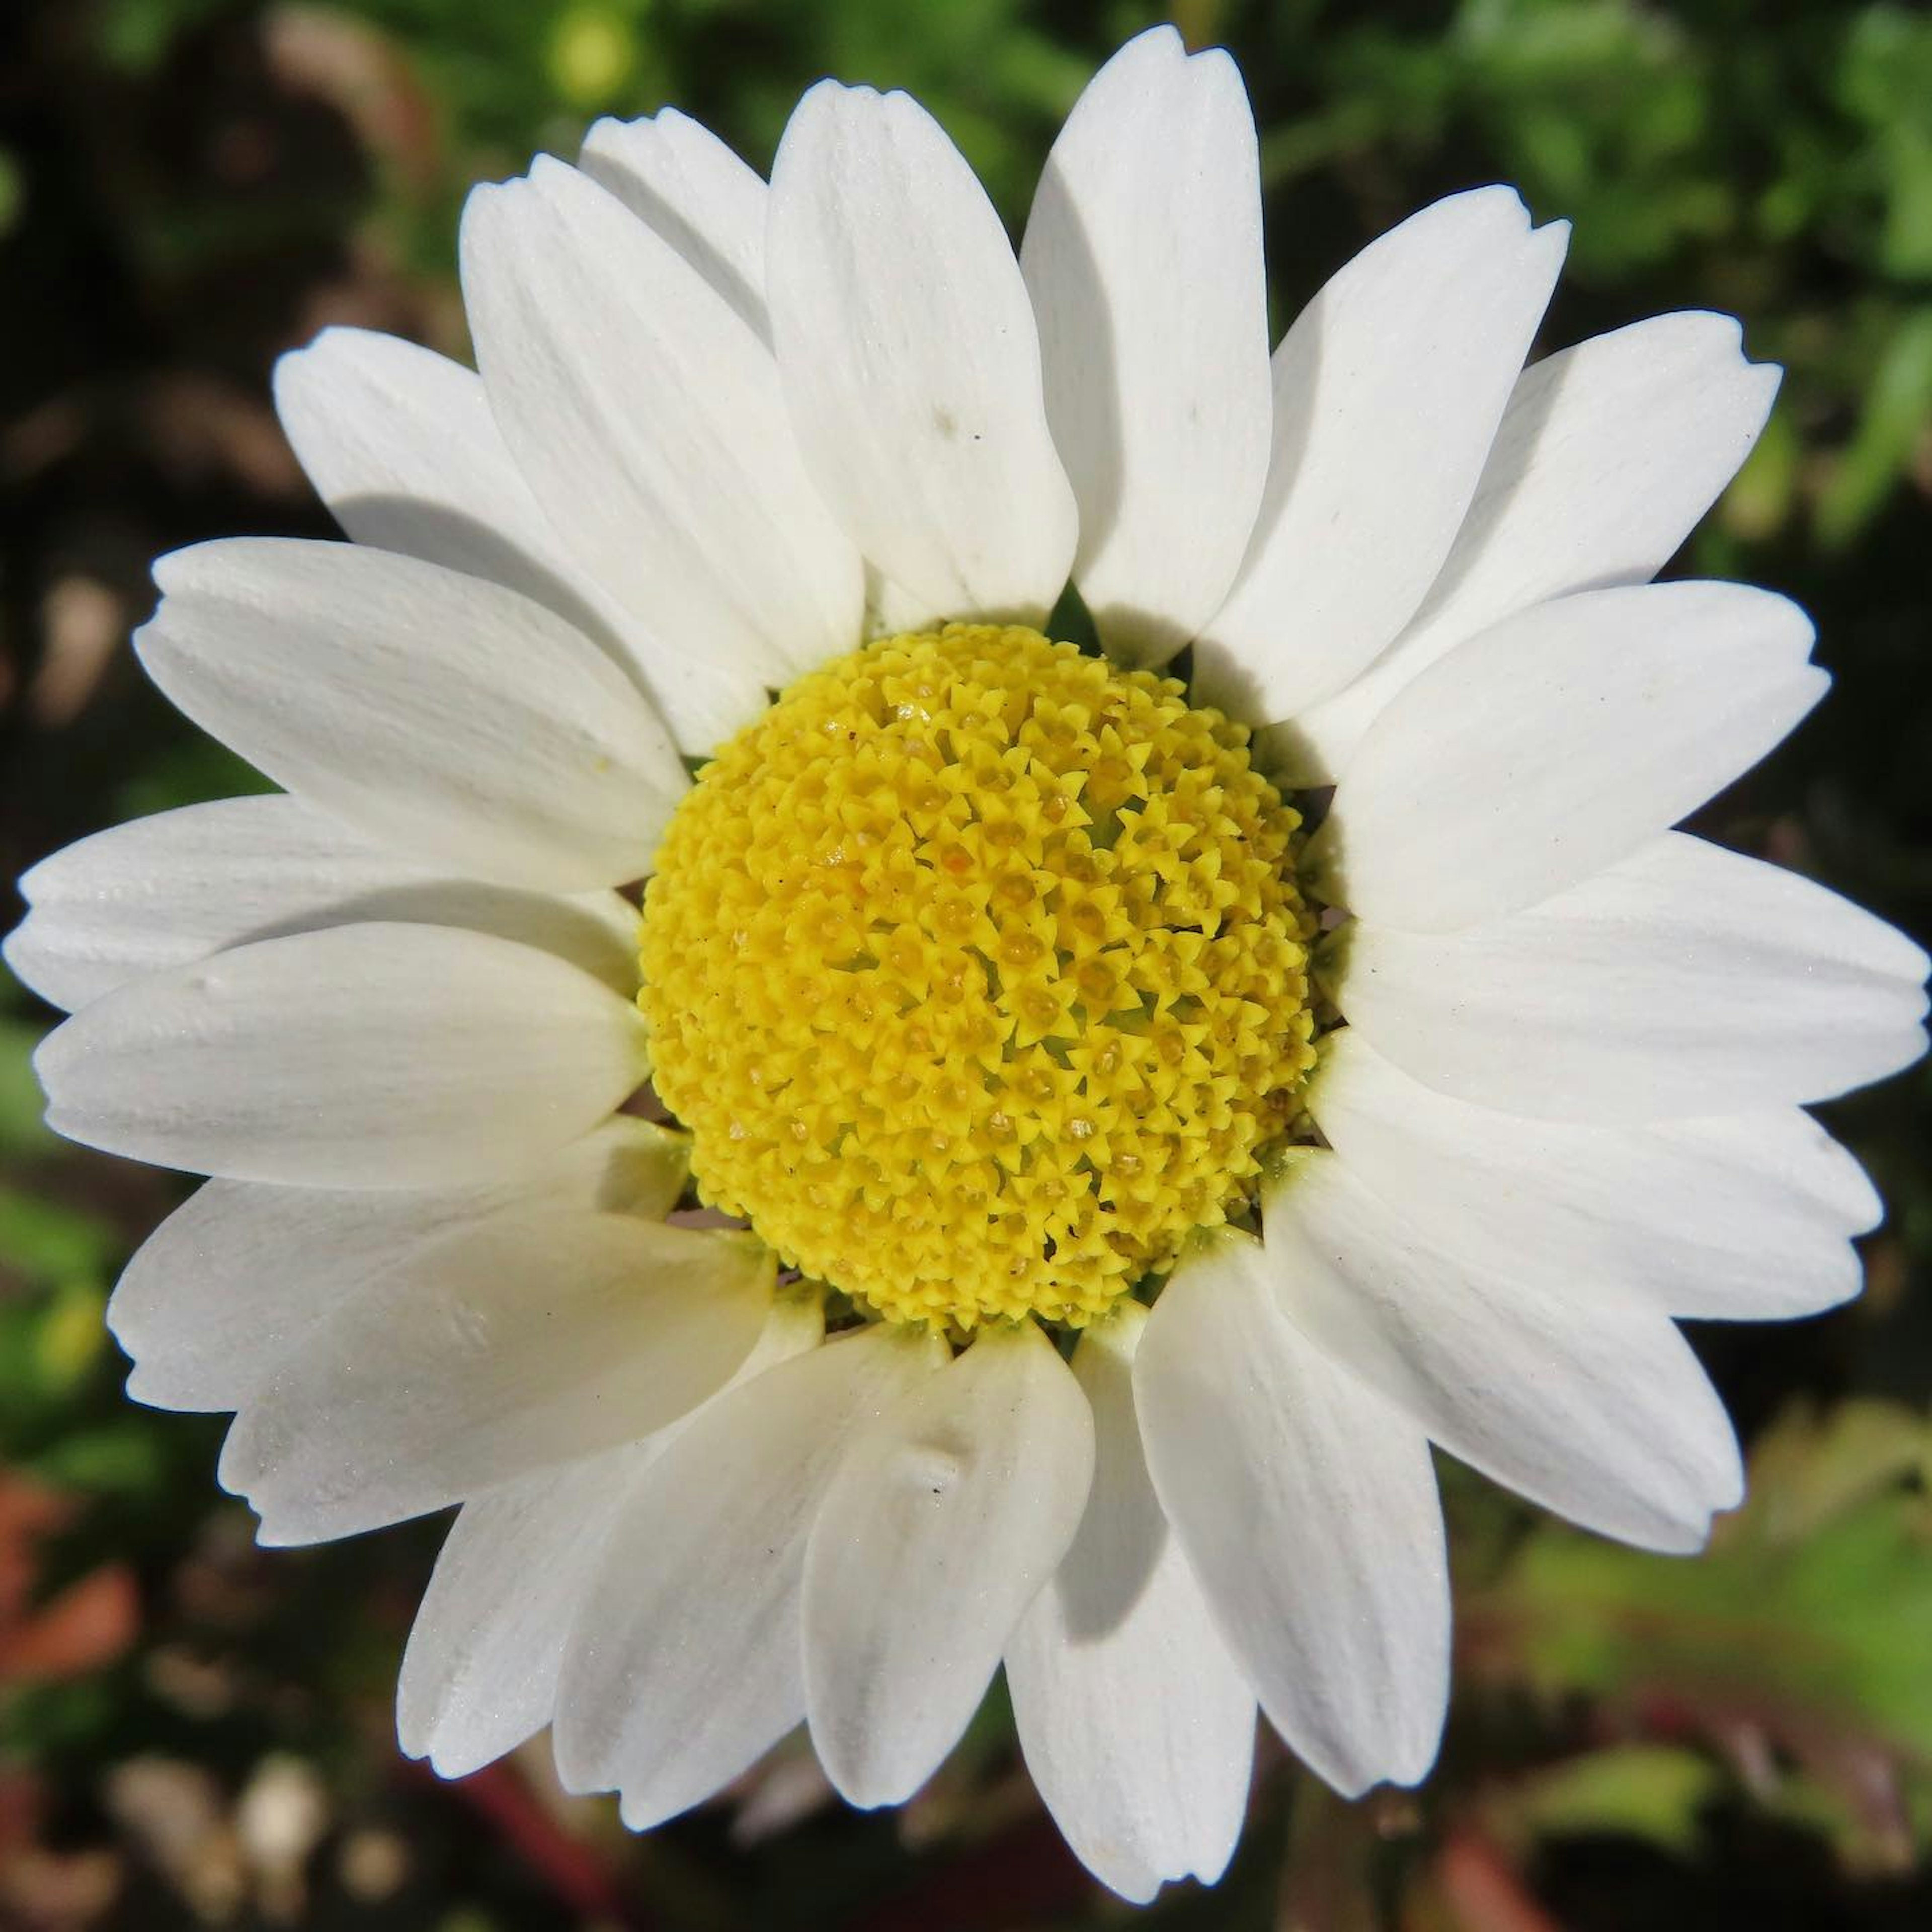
(293, 365)
(1163, 38)
(484, 203)
(831, 96)
(1549, 245)
(1495, 201)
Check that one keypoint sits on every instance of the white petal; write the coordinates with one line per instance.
(1684, 981)
(1143, 255)
(686, 1666)
(235, 1278)
(674, 174)
(1558, 743)
(1607, 456)
(367, 1056)
(910, 358)
(1591, 1404)
(428, 711)
(648, 417)
(891, 608)
(1749, 1215)
(480, 1673)
(945, 1517)
(169, 890)
(1136, 1722)
(1387, 392)
(1308, 1509)
(522, 1342)
(401, 444)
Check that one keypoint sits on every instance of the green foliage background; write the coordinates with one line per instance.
(192, 1731)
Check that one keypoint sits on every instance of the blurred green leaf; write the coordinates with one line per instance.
(137, 34)
(1896, 411)
(72, 1335)
(119, 1459)
(1763, 496)
(23, 1127)
(48, 1243)
(1652, 1792)
(1807, 1616)
(1885, 81)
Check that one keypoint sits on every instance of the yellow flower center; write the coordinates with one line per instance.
(977, 970)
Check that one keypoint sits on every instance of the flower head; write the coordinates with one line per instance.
(1162, 1090)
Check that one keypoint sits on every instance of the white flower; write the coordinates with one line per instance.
(983, 972)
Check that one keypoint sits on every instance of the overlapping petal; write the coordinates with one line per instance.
(1607, 457)
(481, 1669)
(980, 1472)
(1143, 255)
(687, 1661)
(1749, 1215)
(1591, 1404)
(646, 413)
(684, 184)
(166, 891)
(479, 1673)
(237, 1275)
(1388, 393)
(376, 1056)
(1683, 981)
(507, 1347)
(1136, 1722)
(910, 358)
(1307, 1506)
(399, 442)
(1557, 743)
(435, 713)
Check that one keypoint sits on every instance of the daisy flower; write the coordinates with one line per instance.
(1160, 1091)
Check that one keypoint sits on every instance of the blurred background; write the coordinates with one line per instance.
(195, 1733)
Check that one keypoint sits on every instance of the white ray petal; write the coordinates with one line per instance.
(1684, 981)
(365, 1056)
(1744, 1217)
(1608, 455)
(1592, 1405)
(677, 177)
(687, 1664)
(910, 358)
(1143, 255)
(1388, 393)
(362, 1057)
(166, 891)
(648, 416)
(528, 1340)
(401, 444)
(1137, 1724)
(944, 1519)
(1559, 742)
(236, 1277)
(433, 712)
(481, 1671)
(1307, 1506)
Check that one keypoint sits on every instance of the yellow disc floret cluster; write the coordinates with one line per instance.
(977, 970)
